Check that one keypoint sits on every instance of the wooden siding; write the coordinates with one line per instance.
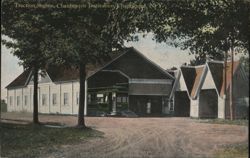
(135, 66)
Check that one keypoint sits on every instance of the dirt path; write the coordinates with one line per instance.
(149, 137)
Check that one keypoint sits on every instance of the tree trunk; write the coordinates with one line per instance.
(225, 81)
(1, 89)
(231, 86)
(82, 72)
(35, 98)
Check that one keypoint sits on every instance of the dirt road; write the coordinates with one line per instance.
(149, 137)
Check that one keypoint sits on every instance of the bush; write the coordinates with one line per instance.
(3, 106)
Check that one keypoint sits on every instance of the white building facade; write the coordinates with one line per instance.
(61, 97)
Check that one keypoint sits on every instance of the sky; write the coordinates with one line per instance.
(160, 53)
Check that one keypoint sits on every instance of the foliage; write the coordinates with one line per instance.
(28, 140)
(207, 28)
(88, 36)
(27, 29)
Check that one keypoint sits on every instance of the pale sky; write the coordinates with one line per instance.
(163, 55)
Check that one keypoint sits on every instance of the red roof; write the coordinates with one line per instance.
(217, 71)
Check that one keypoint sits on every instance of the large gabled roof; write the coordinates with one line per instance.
(60, 73)
(132, 49)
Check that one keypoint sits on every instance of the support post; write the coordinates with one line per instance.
(114, 112)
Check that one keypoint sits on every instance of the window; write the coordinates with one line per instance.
(124, 99)
(54, 98)
(44, 99)
(18, 100)
(77, 98)
(171, 107)
(25, 100)
(100, 98)
(11, 100)
(89, 98)
(65, 98)
(119, 99)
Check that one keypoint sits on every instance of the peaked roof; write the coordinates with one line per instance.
(127, 50)
(217, 71)
(193, 78)
(20, 80)
(63, 73)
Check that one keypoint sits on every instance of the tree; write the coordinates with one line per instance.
(26, 28)
(209, 29)
(88, 36)
(70, 36)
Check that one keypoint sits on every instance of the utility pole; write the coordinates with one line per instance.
(231, 85)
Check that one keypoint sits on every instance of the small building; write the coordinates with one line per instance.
(240, 88)
(199, 91)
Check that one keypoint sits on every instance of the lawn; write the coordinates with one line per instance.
(226, 121)
(18, 140)
(233, 151)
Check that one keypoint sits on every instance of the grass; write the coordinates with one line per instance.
(233, 151)
(31, 140)
(225, 121)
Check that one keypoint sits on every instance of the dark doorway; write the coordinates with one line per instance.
(208, 104)
(181, 104)
(138, 104)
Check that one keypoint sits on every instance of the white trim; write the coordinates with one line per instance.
(48, 75)
(31, 97)
(221, 62)
(119, 71)
(175, 84)
(185, 85)
(189, 66)
(148, 94)
(8, 104)
(213, 80)
(143, 56)
(201, 82)
(150, 81)
(22, 99)
(150, 61)
(28, 79)
(108, 63)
